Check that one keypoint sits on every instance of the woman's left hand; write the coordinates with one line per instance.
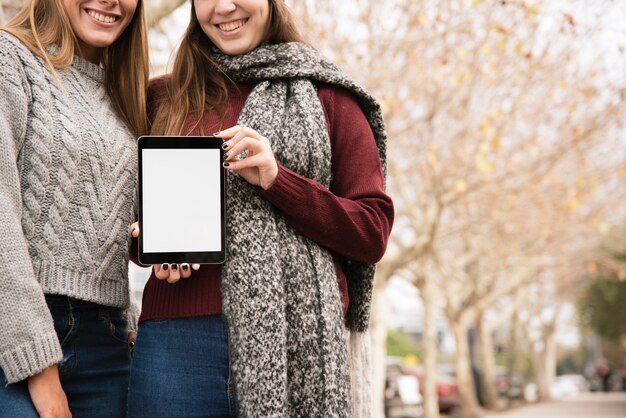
(259, 167)
(169, 272)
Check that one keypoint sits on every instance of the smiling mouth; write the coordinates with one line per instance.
(231, 26)
(102, 18)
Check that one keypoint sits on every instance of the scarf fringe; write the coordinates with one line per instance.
(359, 350)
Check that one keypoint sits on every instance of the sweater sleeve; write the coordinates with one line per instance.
(354, 216)
(28, 341)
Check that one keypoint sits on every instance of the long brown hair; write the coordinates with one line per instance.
(195, 84)
(44, 22)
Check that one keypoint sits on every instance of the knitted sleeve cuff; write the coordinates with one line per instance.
(31, 358)
(287, 189)
(132, 315)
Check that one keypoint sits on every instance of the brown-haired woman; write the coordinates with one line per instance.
(307, 217)
(73, 78)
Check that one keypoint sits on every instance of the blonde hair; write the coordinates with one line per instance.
(41, 23)
(196, 85)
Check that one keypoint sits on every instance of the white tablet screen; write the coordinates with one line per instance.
(181, 200)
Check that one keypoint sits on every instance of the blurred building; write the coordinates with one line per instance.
(405, 312)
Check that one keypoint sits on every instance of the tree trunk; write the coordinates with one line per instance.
(540, 371)
(378, 332)
(429, 343)
(545, 362)
(465, 382)
(550, 355)
(488, 359)
(515, 363)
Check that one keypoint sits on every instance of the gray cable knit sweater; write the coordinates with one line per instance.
(67, 188)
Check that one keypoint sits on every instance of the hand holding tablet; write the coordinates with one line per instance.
(259, 166)
(174, 229)
(165, 271)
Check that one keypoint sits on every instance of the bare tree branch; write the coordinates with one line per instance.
(158, 9)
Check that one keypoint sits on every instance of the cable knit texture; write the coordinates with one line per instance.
(280, 291)
(67, 188)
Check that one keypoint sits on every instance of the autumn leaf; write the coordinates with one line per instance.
(462, 53)
(573, 204)
(431, 158)
(488, 130)
(533, 10)
(604, 228)
(592, 267)
(500, 29)
(502, 43)
(456, 80)
(496, 143)
(386, 104)
(483, 165)
(460, 186)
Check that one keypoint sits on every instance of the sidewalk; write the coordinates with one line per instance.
(587, 405)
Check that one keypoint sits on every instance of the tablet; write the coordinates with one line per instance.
(181, 200)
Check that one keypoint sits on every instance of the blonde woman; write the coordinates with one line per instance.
(73, 76)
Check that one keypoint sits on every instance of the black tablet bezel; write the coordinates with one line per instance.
(180, 142)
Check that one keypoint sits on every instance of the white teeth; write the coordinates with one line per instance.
(230, 26)
(101, 17)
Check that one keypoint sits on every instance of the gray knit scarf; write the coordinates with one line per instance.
(280, 291)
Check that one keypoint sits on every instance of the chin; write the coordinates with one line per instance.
(102, 43)
(237, 51)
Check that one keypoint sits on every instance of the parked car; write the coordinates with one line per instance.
(402, 393)
(509, 385)
(447, 390)
(568, 385)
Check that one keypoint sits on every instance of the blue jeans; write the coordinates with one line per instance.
(96, 362)
(181, 369)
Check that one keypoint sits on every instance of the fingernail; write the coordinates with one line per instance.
(165, 266)
(216, 133)
(185, 267)
(174, 268)
(225, 155)
(225, 164)
(225, 145)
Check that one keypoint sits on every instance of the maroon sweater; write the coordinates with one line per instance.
(351, 219)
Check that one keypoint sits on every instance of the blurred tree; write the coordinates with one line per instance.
(158, 9)
(602, 308)
(502, 117)
(399, 344)
(8, 8)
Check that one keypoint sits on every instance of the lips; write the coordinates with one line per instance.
(232, 25)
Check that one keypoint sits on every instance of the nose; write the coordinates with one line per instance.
(110, 2)
(225, 6)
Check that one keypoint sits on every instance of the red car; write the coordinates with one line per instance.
(447, 390)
